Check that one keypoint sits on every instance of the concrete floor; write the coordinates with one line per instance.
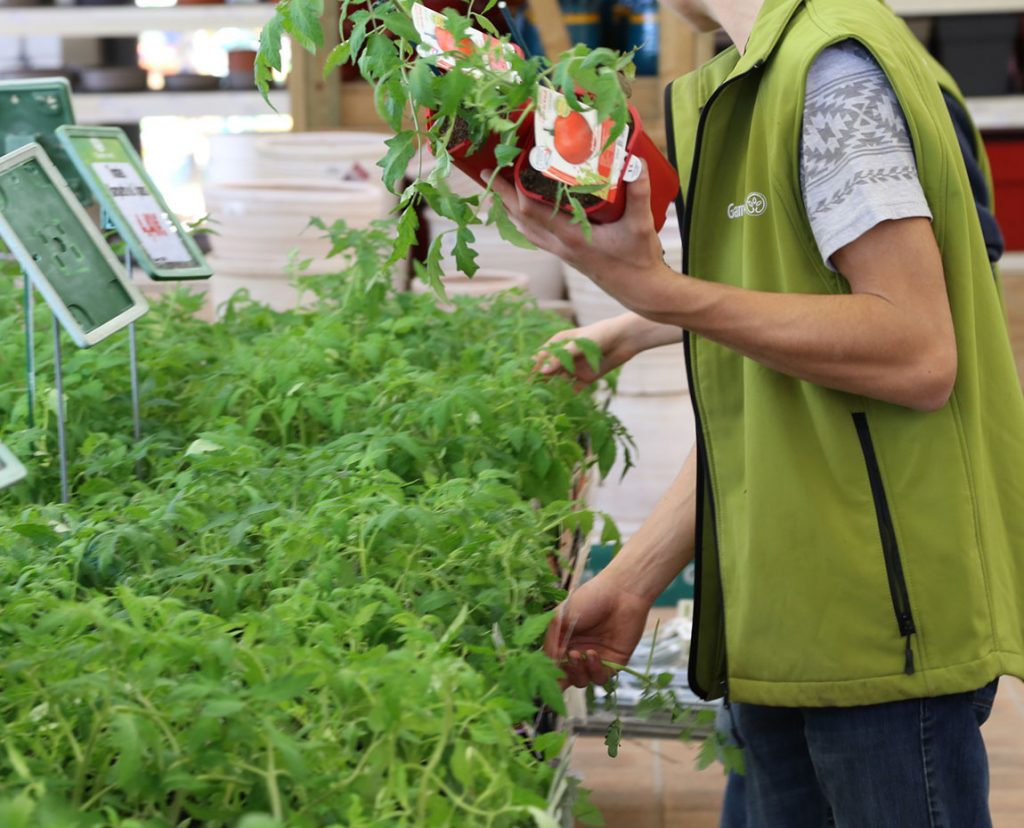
(654, 784)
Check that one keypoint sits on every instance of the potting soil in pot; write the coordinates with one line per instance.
(536, 182)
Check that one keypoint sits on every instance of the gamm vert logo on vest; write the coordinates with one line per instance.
(755, 205)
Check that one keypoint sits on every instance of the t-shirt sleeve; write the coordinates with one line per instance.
(857, 165)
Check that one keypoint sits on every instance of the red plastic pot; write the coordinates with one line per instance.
(664, 179)
(474, 162)
(1006, 155)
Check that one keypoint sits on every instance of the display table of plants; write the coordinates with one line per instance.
(313, 593)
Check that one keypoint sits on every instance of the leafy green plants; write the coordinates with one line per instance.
(323, 602)
(480, 110)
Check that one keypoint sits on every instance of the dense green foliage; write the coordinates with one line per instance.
(321, 603)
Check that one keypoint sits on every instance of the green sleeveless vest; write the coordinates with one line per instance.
(849, 551)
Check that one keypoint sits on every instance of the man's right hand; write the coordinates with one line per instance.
(599, 622)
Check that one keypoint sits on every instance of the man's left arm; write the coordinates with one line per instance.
(891, 338)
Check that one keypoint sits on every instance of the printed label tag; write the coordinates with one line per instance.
(569, 145)
(140, 209)
(437, 41)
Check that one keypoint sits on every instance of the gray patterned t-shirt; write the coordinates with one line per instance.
(857, 164)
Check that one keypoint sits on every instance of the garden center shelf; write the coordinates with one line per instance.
(1012, 264)
(115, 21)
(931, 8)
(125, 107)
(999, 112)
(120, 21)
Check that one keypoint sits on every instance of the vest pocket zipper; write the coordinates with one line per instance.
(890, 546)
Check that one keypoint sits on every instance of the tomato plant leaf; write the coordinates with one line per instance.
(269, 55)
(305, 16)
(465, 256)
(542, 819)
(591, 352)
(532, 629)
(506, 154)
(401, 149)
(423, 84)
(707, 754)
(613, 737)
(37, 533)
(586, 811)
(338, 55)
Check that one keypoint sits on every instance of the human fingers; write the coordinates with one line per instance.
(554, 639)
(585, 668)
(537, 222)
(549, 364)
(638, 200)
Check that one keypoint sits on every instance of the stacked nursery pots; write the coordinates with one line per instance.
(653, 403)
(260, 194)
(542, 271)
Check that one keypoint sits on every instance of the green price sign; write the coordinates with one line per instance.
(112, 168)
(30, 112)
(61, 250)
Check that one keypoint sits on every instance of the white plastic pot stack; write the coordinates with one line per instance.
(485, 282)
(545, 271)
(261, 192)
(653, 402)
(335, 156)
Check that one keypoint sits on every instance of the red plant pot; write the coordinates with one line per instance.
(664, 179)
(1006, 155)
(474, 162)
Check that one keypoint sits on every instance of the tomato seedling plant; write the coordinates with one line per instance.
(322, 604)
(473, 102)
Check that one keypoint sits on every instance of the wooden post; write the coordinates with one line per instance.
(315, 101)
(682, 48)
(554, 34)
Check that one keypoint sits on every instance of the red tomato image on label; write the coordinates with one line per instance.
(446, 41)
(574, 139)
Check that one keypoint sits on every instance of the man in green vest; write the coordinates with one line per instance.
(855, 502)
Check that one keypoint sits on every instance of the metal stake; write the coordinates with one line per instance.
(30, 351)
(133, 364)
(62, 447)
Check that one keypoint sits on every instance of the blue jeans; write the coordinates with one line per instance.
(907, 764)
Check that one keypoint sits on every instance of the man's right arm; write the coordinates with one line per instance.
(602, 621)
(660, 549)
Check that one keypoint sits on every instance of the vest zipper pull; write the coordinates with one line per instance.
(909, 666)
(732, 719)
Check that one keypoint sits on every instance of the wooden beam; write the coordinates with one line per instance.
(682, 48)
(316, 101)
(554, 34)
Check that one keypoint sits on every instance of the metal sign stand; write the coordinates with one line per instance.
(30, 377)
(64, 257)
(30, 350)
(133, 354)
(133, 365)
(62, 441)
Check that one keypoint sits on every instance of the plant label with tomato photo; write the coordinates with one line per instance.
(572, 147)
(437, 41)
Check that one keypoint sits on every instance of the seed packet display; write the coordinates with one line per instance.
(437, 41)
(31, 111)
(11, 470)
(572, 147)
(59, 248)
(117, 177)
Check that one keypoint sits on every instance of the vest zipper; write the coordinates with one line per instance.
(702, 460)
(890, 546)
